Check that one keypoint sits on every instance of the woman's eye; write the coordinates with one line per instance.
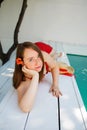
(31, 59)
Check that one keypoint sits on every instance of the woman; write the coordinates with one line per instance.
(30, 67)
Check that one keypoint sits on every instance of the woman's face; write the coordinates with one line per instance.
(32, 60)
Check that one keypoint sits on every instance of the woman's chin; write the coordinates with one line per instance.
(38, 70)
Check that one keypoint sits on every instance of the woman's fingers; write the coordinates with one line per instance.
(55, 92)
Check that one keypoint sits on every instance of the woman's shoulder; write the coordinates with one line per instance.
(49, 60)
(23, 85)
(46, 68)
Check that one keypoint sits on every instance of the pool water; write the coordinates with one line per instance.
(80, 65)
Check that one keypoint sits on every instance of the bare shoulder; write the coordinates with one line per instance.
(22, 89)
(47, 58)
(23, 86)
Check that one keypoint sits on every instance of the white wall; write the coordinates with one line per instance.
(59, 20)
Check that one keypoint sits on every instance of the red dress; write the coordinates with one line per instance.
(44, 47)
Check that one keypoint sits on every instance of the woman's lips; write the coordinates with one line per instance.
(38, 68)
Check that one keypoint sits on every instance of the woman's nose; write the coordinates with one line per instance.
(37, 60)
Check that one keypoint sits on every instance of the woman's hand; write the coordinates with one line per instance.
(55, 91)
(29, 73)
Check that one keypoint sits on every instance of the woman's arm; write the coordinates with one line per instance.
(27, 96)
(55, 74)
(55, 85)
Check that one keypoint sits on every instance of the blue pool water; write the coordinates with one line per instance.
(80, 65)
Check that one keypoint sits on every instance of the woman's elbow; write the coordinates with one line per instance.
(25, 108)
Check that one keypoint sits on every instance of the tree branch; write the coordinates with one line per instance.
(1, 2)
(1, 51)
(24, 5)
(5, 56)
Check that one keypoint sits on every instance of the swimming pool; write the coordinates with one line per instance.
(80, 65)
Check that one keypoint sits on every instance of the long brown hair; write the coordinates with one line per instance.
(18, 75)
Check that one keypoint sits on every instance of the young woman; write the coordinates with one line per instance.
(30, 67)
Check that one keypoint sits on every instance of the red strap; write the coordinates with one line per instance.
(67, 74)
(61, 69)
